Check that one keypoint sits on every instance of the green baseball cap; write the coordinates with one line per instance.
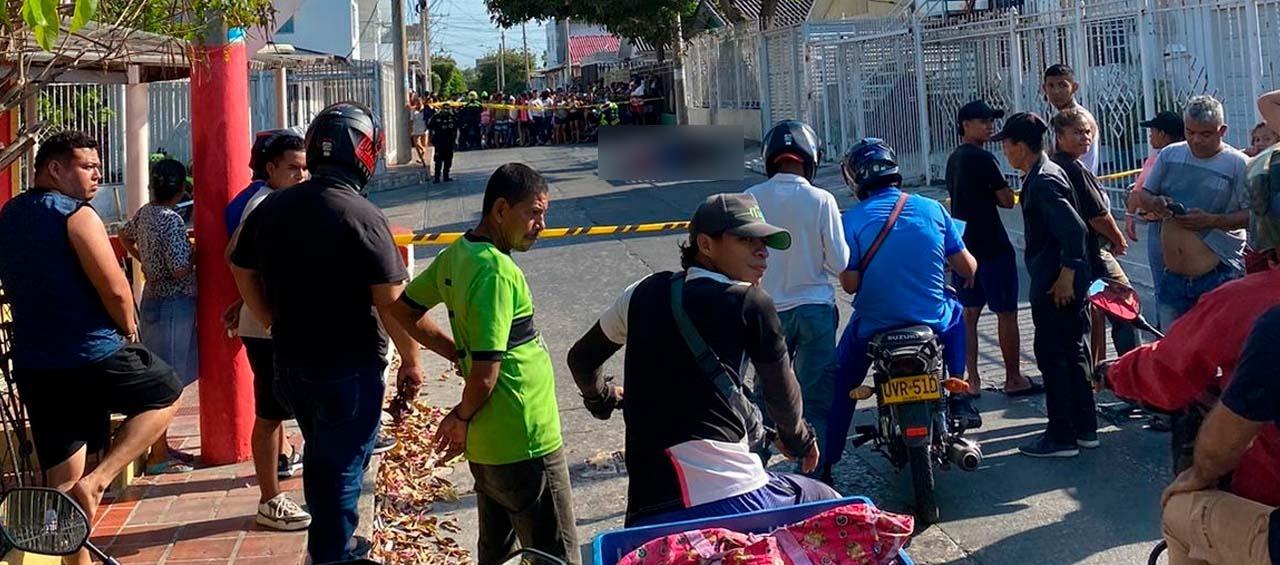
(738, 214)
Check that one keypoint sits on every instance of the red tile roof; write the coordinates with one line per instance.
(581, 46)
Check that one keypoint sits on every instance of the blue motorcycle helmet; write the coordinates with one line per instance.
(870, 165)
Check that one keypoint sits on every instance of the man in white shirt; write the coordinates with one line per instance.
(1060, 88)
(799, 278)
(536, 111)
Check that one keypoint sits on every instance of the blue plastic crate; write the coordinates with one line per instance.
(609, 547)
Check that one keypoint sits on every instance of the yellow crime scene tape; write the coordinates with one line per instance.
(445, 238)
(498, 106)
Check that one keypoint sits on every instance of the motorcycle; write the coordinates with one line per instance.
(916, 426)
(1122, 305)
(45, 521)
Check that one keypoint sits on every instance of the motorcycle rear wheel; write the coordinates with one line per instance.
(921, 464)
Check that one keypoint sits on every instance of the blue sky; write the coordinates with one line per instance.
(466, 32)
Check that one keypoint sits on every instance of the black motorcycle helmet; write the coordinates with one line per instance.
(791, 139)
(869, 165)
(262, 141)
(345, 141)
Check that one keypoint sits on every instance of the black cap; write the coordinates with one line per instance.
(738, 214)
(1023, 126)
(1168, 122)
(978, 110)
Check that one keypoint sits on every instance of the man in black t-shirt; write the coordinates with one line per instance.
(688, 430)
(317, 265)
(977, 187)
(1218, 527)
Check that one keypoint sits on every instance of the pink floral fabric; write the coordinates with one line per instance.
(856, 533)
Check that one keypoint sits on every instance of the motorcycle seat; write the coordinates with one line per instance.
(910, 335)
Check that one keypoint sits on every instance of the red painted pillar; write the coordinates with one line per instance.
(220, 153)
(8, 177)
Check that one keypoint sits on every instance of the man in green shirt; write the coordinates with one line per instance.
(508, 423)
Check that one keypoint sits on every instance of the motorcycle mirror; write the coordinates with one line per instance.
(1116, 300)
(530, 556)
(43, 521)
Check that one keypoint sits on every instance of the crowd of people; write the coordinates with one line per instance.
(472, 121)
(754, 287)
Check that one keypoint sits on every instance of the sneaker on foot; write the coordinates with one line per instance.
(383, 443)
(289, 465)
(1088, 440)
(360, 547)
(282, 513)
(1044, 446)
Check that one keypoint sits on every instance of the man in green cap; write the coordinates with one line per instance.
(691, 430)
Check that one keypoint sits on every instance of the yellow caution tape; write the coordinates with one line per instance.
(1115, 176)
(445, 238)
(500, 106)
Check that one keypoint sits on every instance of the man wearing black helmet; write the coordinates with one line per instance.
(799, 278)
(1057, 260)
(317, 265)
(907, 286)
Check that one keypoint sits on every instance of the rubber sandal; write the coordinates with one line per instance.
(1034, 389)
(169, 467)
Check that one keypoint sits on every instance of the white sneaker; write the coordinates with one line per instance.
(282, 513)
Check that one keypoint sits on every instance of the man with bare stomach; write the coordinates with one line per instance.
(1198, 187)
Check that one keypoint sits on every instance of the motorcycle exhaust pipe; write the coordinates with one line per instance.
(964, 454)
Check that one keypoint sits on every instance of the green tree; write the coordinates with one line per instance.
(651, 20)
(447, 78)
(51, 23)
(513, 71)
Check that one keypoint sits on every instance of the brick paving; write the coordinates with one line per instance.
(203, 517)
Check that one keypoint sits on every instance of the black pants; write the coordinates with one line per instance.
(443, 160)
(1062, 353)
(529, 501)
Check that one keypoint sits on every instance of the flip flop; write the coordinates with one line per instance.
(1034, 389)
(168, 467)
(181, 456)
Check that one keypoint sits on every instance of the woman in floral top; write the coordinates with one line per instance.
(157, 236)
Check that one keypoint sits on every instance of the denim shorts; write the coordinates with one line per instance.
(168, 329)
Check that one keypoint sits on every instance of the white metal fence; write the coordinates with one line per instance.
(99, 109)
(903, 77)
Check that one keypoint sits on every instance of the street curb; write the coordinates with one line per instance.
(365, 504)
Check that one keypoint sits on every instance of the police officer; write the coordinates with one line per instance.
(444, 136)
(469, 117)
(609, 113)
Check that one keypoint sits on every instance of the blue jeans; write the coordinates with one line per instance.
(852, 363)
(168, 329)
(1179, 293)
(338, 412)
(810, 331)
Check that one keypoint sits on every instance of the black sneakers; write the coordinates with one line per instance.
(1044, 446)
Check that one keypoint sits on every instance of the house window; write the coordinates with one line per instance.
(287, 27)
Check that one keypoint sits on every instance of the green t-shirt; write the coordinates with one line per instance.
(491, 316)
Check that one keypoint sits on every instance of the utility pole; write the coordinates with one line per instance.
(424, 20)
(400, 57)
(524, 48)
(502, 67)
(677, 74)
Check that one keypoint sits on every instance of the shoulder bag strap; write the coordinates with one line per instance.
(884, 232)
(706, 359)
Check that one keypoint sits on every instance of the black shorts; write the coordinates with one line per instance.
(71, 408)
(262, 359)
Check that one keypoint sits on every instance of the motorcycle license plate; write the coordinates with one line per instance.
(919, 388)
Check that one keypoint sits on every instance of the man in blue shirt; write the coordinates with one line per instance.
(900, 282)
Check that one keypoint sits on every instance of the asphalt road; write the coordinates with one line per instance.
(1099, 508)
